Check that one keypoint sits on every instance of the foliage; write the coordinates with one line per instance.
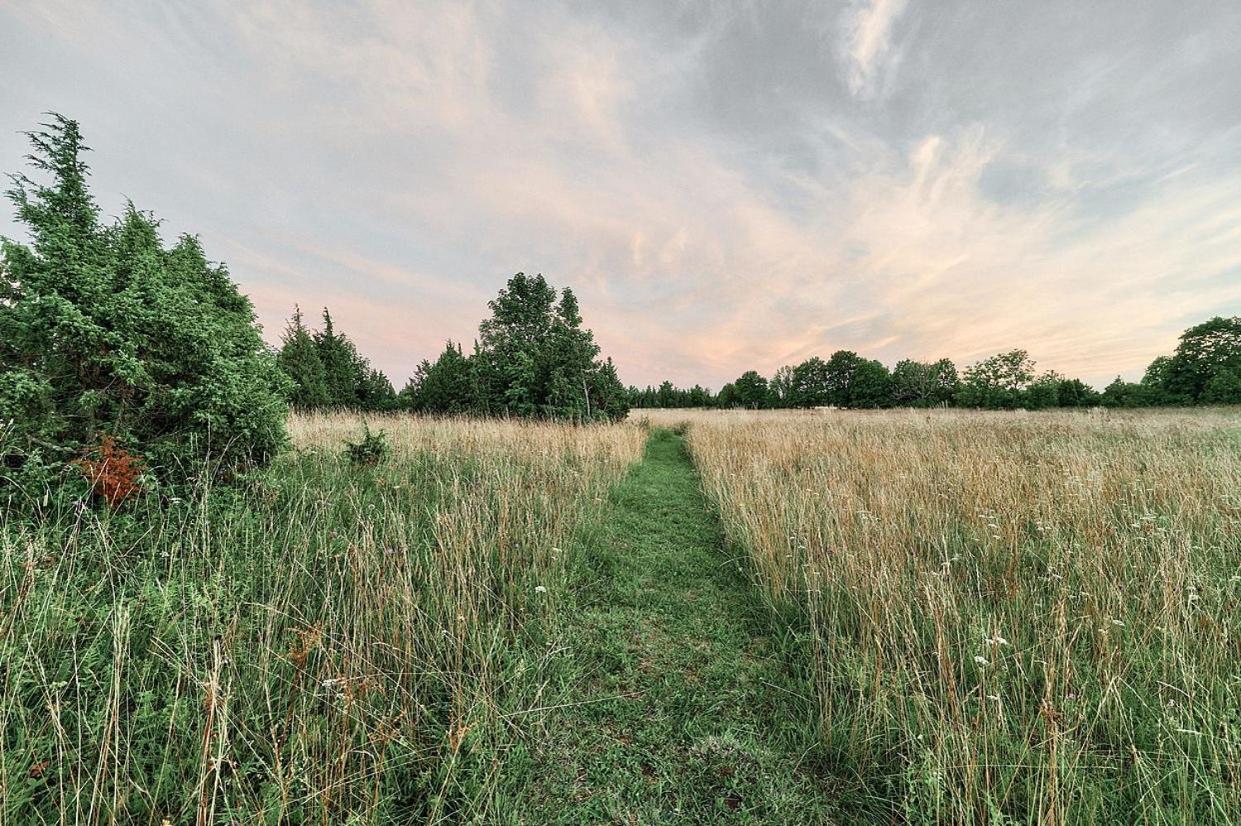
(1204, 370)
(533, 360)
(113, 472)
(104, 331)
(750, 390)
(370, 451)
(328, 372)
(299, 358)
(1205, 351)
(997, 382)
(443, 387)
(810, 384)
(924, 384)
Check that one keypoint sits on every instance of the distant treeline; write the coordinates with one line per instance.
(1205, 369)
(532, 359)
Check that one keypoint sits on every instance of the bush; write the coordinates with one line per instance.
(369, 452)
(104, 331)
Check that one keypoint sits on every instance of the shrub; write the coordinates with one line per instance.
(104, 330)
(369, 452)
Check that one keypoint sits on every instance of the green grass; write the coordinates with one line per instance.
(677, 703)
(328, 644)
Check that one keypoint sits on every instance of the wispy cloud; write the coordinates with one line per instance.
(726, 187)
(867, 31)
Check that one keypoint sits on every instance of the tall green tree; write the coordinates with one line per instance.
(299, 358)
(340, 360)
(871, 386)
(443, 387)
(104, 331)
(534, 358)
(924, 384)
(998, 381)
(1205, 351)
(811, 384)
(750, 390)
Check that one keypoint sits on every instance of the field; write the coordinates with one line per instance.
(330, 642)
(782, 617)
(1029, 614)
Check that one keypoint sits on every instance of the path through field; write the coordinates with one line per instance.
(682, 706)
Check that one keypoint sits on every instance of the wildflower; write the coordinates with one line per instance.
(980, 660)
(540, 589)
(997, 640)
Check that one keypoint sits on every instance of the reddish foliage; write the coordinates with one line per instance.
(112, 471)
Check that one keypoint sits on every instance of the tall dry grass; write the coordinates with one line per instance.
(1033, 616)
(327, 643)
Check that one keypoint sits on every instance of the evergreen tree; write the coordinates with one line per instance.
(340, 364)
(444, 387)
(299, 358)
(375, 391)
(105, 332)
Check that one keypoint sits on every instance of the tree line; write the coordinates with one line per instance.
(1204, 369)
(532, 359)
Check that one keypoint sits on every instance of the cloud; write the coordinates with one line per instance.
(727, 187)
(867, 31)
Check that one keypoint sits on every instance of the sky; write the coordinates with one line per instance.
(726, 186)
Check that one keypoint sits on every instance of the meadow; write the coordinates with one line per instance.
(692, 616)
(1012, 617)
(326, 642)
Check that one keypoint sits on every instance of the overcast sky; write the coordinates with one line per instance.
(726, 186)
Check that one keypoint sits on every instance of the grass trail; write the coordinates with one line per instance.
(680, 705)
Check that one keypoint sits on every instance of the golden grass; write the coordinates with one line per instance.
(1029, 614)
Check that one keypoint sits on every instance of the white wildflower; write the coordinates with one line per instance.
(540, 589)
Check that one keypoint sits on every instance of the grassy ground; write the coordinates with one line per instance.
(324, 644)
(678, 703)
(1015, 617)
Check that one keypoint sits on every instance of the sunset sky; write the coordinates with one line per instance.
(726, 186)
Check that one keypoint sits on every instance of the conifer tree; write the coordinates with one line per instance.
(299, 358)
(106, 332)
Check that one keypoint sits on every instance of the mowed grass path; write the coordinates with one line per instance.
(679, 706)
